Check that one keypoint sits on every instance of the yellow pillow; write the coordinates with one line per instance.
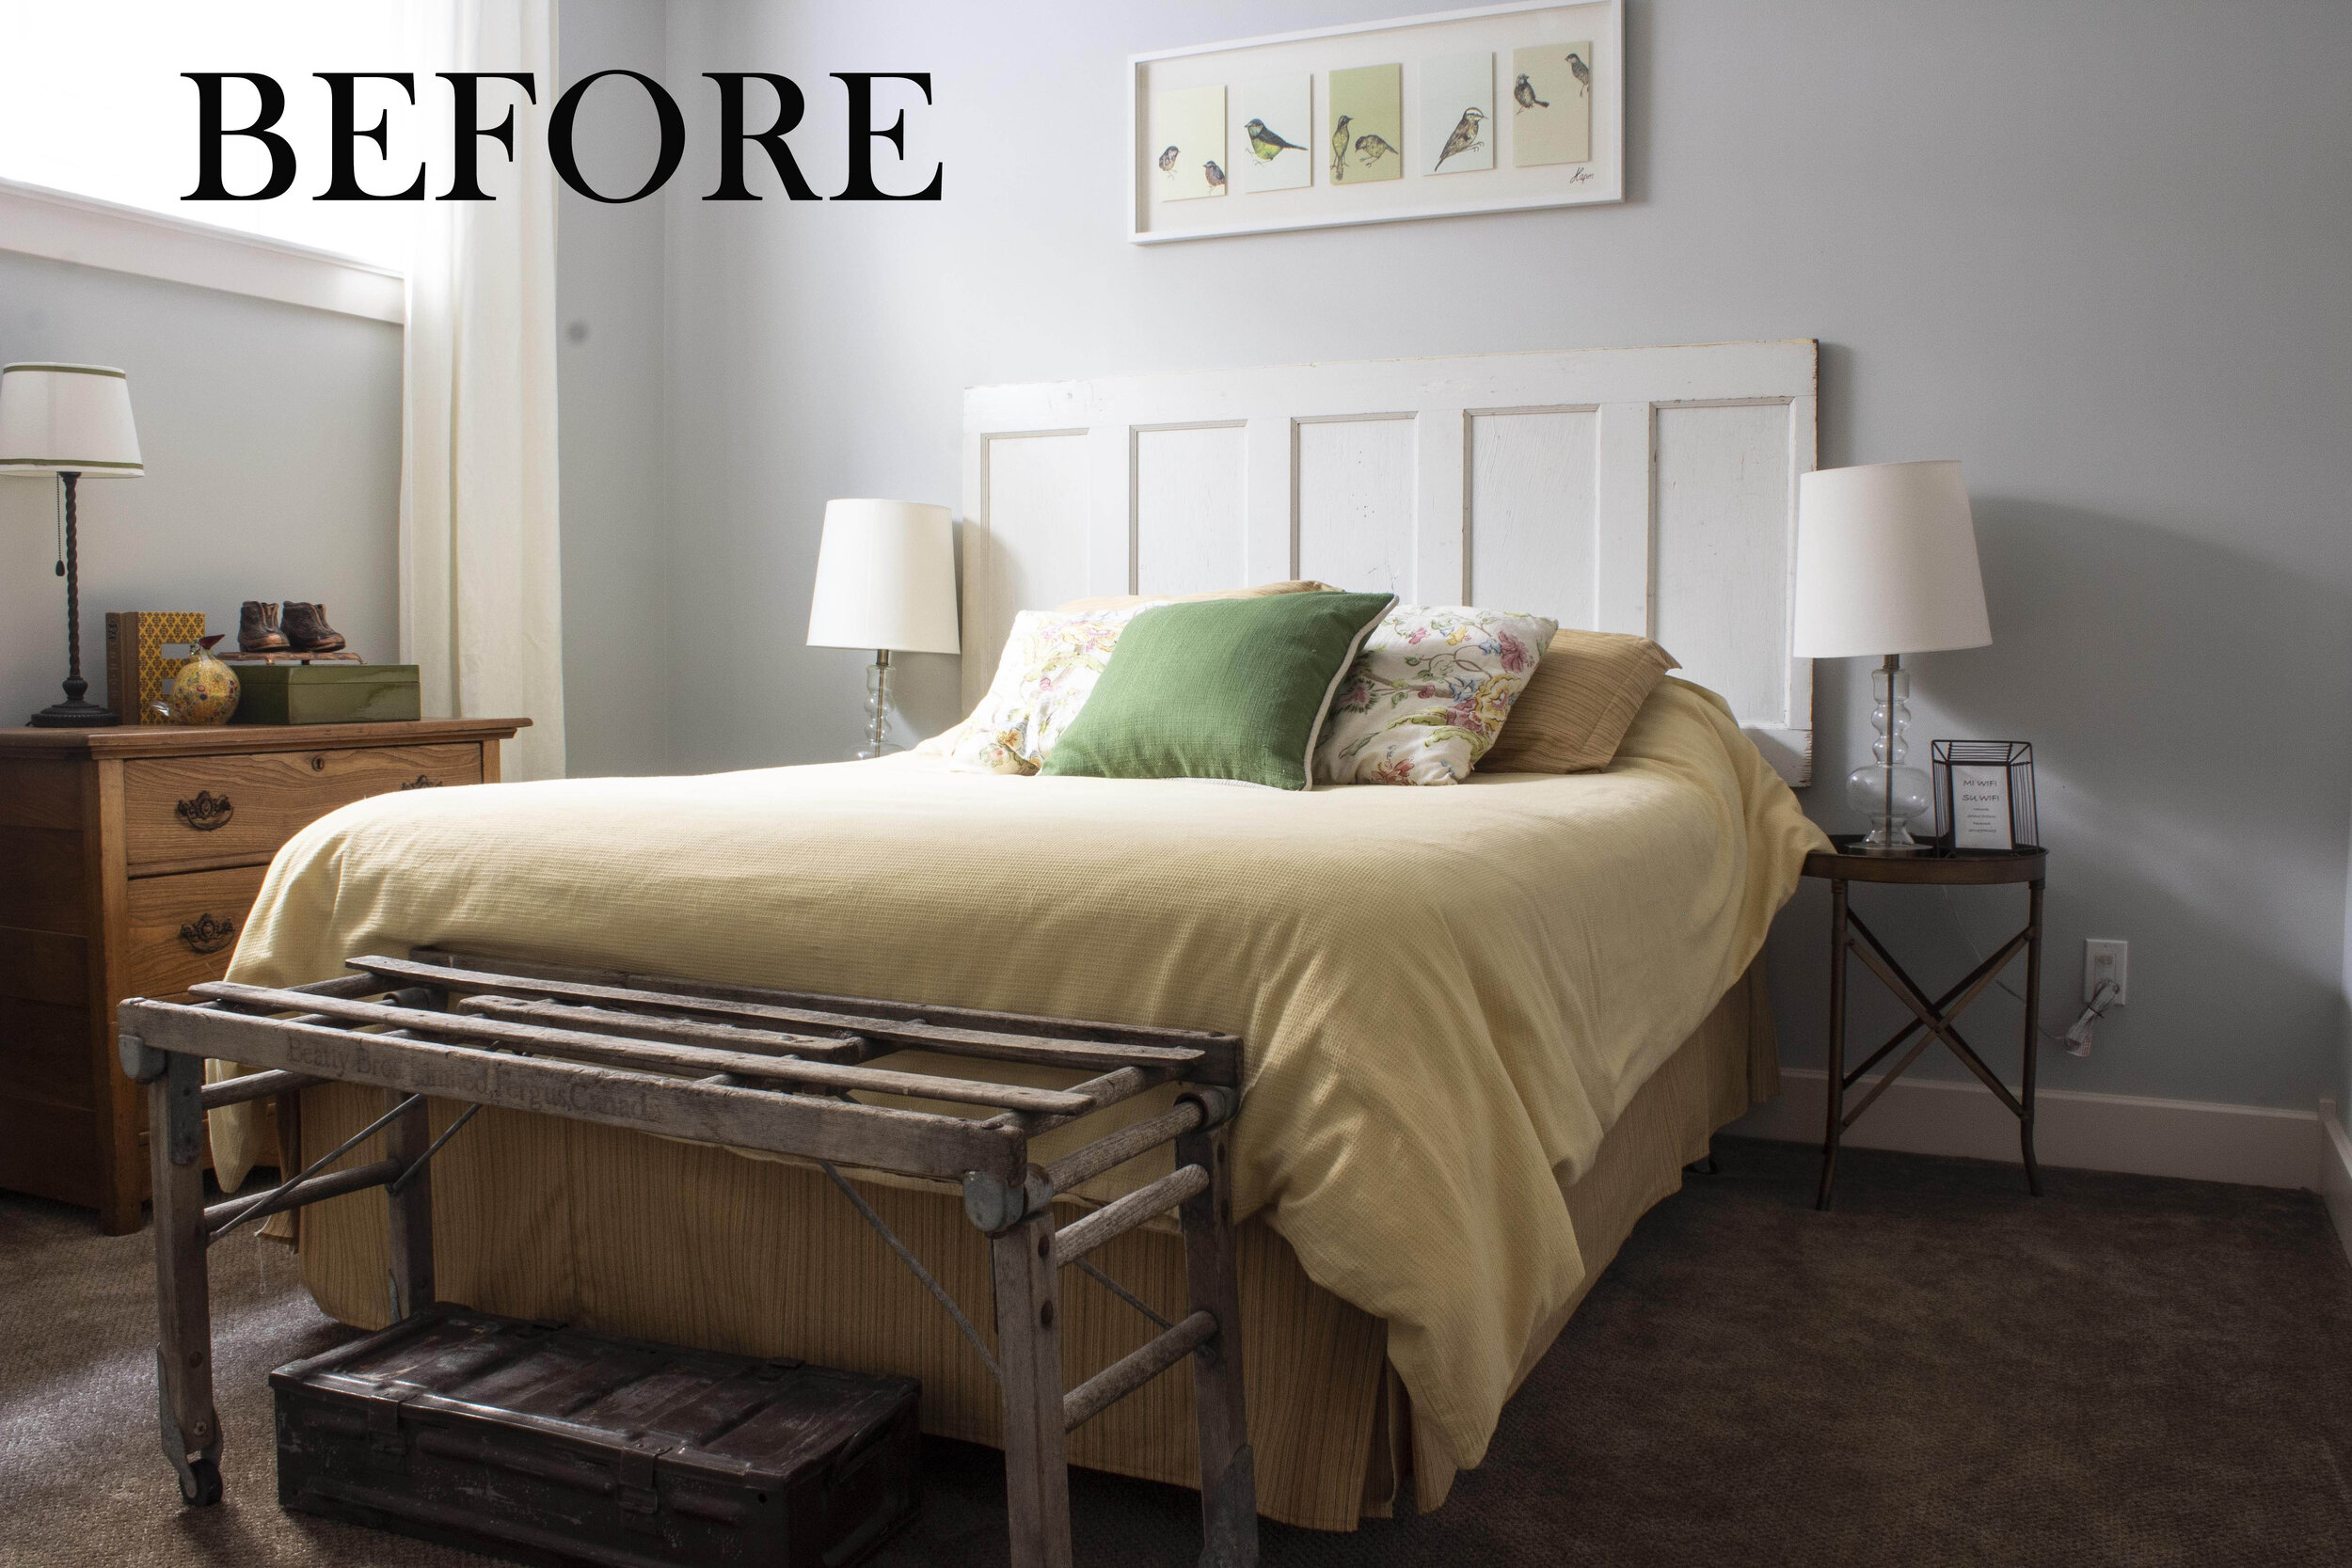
(1579, 703)
(1101, 602)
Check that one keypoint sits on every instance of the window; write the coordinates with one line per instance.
(92, 102)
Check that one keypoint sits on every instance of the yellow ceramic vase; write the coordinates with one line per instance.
(204, 692)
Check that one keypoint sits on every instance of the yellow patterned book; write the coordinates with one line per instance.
(137, 664)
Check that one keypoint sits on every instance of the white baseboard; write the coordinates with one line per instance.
(2335, 1172)
(2251, 1144)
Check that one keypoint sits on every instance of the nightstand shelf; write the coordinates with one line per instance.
(1936, 1019)
(128, 857)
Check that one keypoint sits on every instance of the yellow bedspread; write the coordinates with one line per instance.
(1447, 994)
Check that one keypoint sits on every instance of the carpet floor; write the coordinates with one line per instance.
(1943, 1371)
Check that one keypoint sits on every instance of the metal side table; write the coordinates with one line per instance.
(1936, 1020)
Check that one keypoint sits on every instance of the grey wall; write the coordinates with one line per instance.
(272, 439)
(612, 391)
(2341, 1089)
(2096, 250)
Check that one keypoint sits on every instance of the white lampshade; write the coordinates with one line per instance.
(1886, 562)
(885, 578)
(58, 418)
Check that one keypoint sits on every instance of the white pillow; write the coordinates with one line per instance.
(1428, 694)
(1050, 662)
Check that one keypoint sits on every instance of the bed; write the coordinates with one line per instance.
(1486, 1024)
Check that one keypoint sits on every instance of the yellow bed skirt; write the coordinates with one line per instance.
(618, 1233)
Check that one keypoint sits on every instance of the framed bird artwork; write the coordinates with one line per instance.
(1551, 104)
(1457, 111)
(1188, 127)
(1500, 108)
(1367, 124)
(1277, 116)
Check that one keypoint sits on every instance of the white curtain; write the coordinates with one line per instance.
(480, 598)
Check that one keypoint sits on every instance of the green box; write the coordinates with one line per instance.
(326, 694)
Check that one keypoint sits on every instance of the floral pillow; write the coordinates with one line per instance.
(1050, 665)
(1428, 696)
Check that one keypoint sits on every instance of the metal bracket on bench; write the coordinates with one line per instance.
(199, 1480)
(141, 1063)
(997, 1206)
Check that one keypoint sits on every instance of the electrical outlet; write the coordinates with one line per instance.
(2105, 960)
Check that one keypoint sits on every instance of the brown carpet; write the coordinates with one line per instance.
(2129, 1371)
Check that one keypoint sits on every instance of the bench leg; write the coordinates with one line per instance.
(1229, 1483)
(1028, 1350)
(190, 1427)
(407, 1140)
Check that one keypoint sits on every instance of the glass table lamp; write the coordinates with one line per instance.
(885, 580)
(1886, 565)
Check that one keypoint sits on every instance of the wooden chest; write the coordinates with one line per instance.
(528, 1441)
(128, 857)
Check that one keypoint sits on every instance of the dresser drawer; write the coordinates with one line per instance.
(184, 812)
(183, 931)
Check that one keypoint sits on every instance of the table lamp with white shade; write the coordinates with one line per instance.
(69, 421)
(1886, 565)
(885, 580)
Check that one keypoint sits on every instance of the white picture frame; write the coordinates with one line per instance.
(1422, 192)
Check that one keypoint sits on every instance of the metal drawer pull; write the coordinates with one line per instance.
(208, 934)
(421, 782)
(206, 812)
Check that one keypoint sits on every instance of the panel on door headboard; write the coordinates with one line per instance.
(1355, 511)
(1191, 514)
(1721, 581)
(1042, 482)
(1531, 505)
(1639, 490)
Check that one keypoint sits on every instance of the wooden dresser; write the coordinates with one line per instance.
(128, 857)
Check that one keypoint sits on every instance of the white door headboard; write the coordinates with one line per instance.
(1644, 490)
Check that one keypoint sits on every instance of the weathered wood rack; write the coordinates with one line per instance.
(728, 1065)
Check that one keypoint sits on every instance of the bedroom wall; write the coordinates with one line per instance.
(2342, 1085)
(2094, 248)
(612, 377)
(271, 434)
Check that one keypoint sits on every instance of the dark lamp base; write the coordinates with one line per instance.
(73, 715)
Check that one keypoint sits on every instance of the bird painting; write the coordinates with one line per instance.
(1167, 160)
(1339, 148)
(1373, 147)
(1465, 136)
(1582, 73)
(1269, 145)
(1525, 93)
(1216, 175)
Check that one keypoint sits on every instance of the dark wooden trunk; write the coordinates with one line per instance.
(532, 1442)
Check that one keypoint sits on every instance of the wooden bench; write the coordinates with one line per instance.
(742, 1066)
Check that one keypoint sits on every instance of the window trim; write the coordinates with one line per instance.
(62, 227)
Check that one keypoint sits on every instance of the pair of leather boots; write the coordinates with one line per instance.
(303, 631)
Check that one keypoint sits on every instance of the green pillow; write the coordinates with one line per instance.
(1224, 689)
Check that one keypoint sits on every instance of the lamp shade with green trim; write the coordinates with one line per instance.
(66, 419)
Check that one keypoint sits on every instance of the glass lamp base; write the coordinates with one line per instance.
(1888, 798)
(1887, 794)
(878, 743)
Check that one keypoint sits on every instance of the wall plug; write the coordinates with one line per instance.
(2078, 1038)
